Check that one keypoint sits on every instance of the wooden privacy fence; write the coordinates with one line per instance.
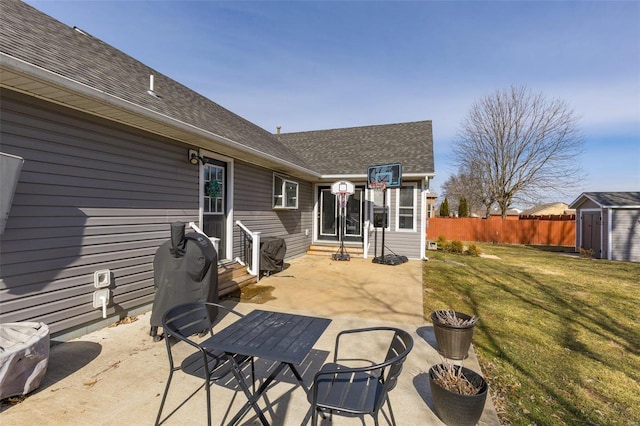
(560, 231)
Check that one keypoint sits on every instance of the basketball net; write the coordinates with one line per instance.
(343, 197)
(378, 186)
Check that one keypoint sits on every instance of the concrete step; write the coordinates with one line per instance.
(329, 249)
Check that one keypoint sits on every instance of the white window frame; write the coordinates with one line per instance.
(414, 191)
(282, 196)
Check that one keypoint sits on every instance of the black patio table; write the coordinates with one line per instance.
(275, 336)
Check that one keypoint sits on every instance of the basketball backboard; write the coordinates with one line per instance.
(390, 174)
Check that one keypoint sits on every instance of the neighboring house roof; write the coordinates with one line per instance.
(547, 209)
(352, 150)
(609, 199)
(45, 58)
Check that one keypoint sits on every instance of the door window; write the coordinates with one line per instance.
(328, 213)
(214, 189)
(214, 203)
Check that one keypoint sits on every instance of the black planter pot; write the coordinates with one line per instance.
(455, 409)
(453, 342)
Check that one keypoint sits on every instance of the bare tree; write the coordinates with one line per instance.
(521, 145)
(469, 184)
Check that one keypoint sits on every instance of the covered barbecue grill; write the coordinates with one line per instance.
(272, 252)
(185, 269)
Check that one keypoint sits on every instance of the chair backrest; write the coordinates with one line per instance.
(401, 345)
(188, 319)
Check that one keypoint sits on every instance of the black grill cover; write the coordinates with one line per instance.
(185, 269)
(272, 252)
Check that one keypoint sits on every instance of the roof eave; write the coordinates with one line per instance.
(30, 79)
(363, 176)
(578, 201)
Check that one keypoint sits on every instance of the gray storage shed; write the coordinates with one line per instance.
(609, 224)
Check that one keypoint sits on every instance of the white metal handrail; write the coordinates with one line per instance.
(214, 240)
(254, 237)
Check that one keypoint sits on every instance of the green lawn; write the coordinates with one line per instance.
(558, 337)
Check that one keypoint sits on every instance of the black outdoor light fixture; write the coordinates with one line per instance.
(194, 158)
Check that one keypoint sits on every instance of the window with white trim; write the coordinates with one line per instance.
(407, 207)
(285, 193)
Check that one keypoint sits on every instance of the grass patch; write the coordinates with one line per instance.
(558, 337)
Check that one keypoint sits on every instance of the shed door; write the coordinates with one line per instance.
(591, 233)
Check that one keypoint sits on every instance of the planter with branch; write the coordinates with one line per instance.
(454, 332)
(458, 393)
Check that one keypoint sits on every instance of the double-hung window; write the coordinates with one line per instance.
(285, 193)
(407, 207)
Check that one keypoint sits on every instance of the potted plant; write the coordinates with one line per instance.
(454, 331)
(458, 394)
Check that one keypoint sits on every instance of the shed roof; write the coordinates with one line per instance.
(352, 150)
(609, 199)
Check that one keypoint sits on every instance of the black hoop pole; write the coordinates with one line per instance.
(384, 217)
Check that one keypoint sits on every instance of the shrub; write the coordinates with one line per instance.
(473, 250)
(457, 246)
(586, 253)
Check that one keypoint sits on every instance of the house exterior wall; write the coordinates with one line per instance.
(92, 195)
(625, 234)
(253, 200)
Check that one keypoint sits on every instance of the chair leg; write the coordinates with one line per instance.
(253, 376)
(208, 393)
(164, 397)
(393, 419)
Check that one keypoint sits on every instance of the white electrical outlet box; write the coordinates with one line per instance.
(102, 278)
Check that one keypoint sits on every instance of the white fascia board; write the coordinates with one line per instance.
(363, 176)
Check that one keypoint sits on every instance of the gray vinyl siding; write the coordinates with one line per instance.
(605, 233)
(402, 243)
(625, 235)
(92, 195)
(253, 199)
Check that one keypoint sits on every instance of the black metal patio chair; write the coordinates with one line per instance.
(198, 318)
(356, 391)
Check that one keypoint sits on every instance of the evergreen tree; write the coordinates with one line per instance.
(444, 208)
(463, 208)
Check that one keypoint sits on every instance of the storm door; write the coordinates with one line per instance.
(329, 221)
(215, 202)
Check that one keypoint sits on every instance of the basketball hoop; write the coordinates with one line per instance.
(378, 186)
(342, 190)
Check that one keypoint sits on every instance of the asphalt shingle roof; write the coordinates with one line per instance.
(38, 39)
(613, 199)
(352, 150)
(34, 37)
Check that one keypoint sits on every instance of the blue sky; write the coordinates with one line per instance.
(330, 64)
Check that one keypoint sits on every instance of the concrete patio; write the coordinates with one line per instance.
(116, 375)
